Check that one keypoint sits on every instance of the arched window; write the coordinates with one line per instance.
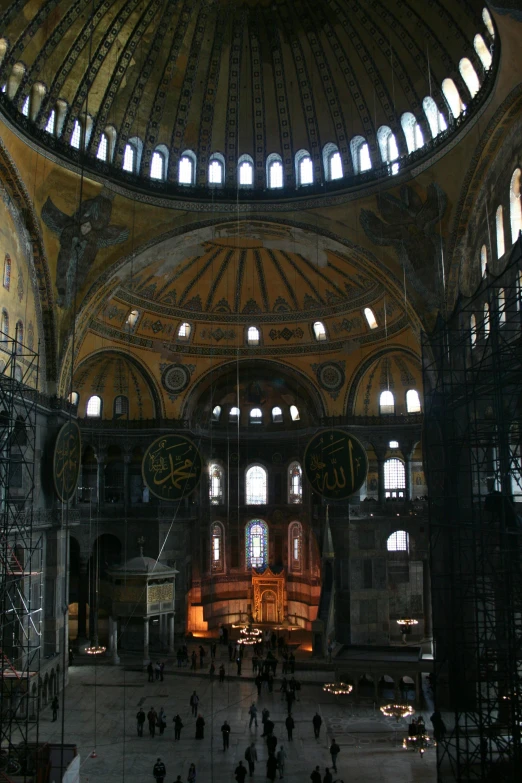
(499, 225)
(103, 148)
(488, 21)
(76, 135)
(158, 165)
(413, 401)
(435, 117)
(398, 542)
(131, 320)
(14, 80)
(245, 171)
(387, 402)
(74, 398)
(256, 486)
(5, 325)
(294, 413)
(304, 168)
(274, 171)
(130, 158)
(184, 331)
(501, 301)
(412, 132)
(216, 484)
(217, 547)
(256, 416)
(370, 318)
(19, 336)
(453, 97)
(216, 169)
(295, 546)
(360, 151)
(394, 478)
(473, 330)
(25, 107)
(486, 319)
(482, 51)
(7, 271)
(319, 331)
(187, 168)
(121, 406)
(295, 483)
(388, 147)
(94, 406)
(256, 544)
(51, 123)
(277, 415)
(469, 75)
(233, 416)
(332, 162)
(216, 413)
(483, 260)
(515, 211)
(253, 335)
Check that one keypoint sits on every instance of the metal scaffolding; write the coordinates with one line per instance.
(472, 446)
(20, 560)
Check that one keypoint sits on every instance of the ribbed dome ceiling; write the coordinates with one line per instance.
(252, 77)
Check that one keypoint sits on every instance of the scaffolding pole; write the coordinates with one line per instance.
(472, 366)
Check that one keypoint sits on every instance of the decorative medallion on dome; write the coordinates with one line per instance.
(175, 378)
(330, 377)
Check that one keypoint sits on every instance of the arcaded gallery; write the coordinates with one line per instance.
(260, 391)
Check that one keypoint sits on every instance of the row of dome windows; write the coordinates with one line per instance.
(501, 309)
(255, 415)
(361, 156)
(515, 221)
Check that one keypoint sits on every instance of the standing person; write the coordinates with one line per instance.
(290, 725)
(271, 743)
(264, 717)
(334, 752)
(157, 670)
(202, 654)
(150, 671)
(221, 673)
(191, 777)
(193, 661)
(212, 670)
(159, 771)
(317, 721)
(271, 767)
(140, 720)
(251, 757)
(152, 716)
(327, 776)
(54, 706)
(290, 696)
(281, 758)
(194, 701)
(162, 721)
(178, 725)
(200, 727)
(254, 664)
(225, 731)
(240, 773)
(315, 777)
(221, 634)
(259, 682)
(239, 662)
(213, 650)
(161, 667)
(253, 715)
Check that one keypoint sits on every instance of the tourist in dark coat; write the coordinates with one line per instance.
(271, 767)
(315, 777)
(290, 725)
(240, 773)
(159, 771)
(178, 725)
(317, 721)
(200, 727)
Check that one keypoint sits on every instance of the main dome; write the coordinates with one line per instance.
(252, 82)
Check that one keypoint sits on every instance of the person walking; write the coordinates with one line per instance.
(202, 653)
(162, 669)
(140, 720)
(315, 777)
(212, 670)
(271, 768)
(157, 670)
(265, 714)
(150, 671)
(162, 721)
(225, 731)
(178, 725)
(193, 661)
(221, 673)
(200, 727)
(259, 682)
(281, 758)
(54, 706)
(290, 696)
(271, 743)
(152, 717)
(240, 773)
(253, 715)
(317, 722)
(194, 701)
(328, 778)
(334, 752)
(290, 725)
(251, 757)
(159, 771)
(191, 777)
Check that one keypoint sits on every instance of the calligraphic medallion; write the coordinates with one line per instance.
(171, 467)
(66, 461)
(335, 464)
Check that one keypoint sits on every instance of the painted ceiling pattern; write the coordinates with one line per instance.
(396, 372)
(109, 375)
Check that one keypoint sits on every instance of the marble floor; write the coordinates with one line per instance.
(101, 703)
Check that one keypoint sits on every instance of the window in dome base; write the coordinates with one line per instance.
(482, 51)
(25, 107)
(387, 403)
(370, 317)
(76, 135)
(256, 416)
(184, 331)
(453, 97)
(233, 416)
(488, 21)
(277, 415)
(121, 406)
(186, 170)
(94, 407)
(129, 158)
(319, 331)
(275, 171)
(51, 123)
(216, 413)
(246, 171)
(469, 75)
(216, 172)
(413, 401)
(157, 166)
(103, 148)
(253, 335)
(294, 413)
(306, 171)
(335, 166)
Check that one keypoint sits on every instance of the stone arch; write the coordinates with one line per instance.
(351, 392)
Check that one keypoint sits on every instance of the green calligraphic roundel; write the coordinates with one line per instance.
(66, 462)
(335, 464)
(172, 467)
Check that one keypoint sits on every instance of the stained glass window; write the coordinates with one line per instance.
(216, 484)
(217, 546)
(295, 545)
(7, 271)
(256, 541)
(256, 486)
(295, 483)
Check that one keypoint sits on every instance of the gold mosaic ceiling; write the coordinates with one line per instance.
(239, 77)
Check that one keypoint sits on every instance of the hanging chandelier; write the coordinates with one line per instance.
(338, 688)
(249, 635)
(407, 622)
(397, 711)
(95, 649)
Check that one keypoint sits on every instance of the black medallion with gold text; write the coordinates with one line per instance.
(66, 461)
(335, 464)
(171, 467)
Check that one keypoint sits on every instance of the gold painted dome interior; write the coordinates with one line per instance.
(243, 99)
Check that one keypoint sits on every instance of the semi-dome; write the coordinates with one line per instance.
(258, 97)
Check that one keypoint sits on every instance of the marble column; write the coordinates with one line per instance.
(111, 634)
(82, 600)
(114, 642)
(171, 633)
(126, 484)
(380, 480)
(407, 476)
(146, 656)
(101, 457)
